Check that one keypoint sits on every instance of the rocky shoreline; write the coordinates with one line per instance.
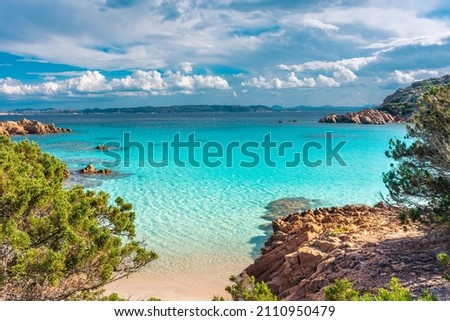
(365, 116)
(366, 245)
(27, 127)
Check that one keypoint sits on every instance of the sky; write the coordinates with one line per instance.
(118, 53)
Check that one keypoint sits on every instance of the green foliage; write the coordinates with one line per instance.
(343, 290)
(218, 298)
(394, 292)
(444, 259)
(246, 288)
(56, 244)
(428, 296)
(420, 179)
(112, 297)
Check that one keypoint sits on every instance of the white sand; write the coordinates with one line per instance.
(196, 283)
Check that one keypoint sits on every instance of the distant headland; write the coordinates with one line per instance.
(397, 107)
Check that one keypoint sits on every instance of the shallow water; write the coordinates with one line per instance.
(200, 216)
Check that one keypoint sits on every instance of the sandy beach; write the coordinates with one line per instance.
(198, 282)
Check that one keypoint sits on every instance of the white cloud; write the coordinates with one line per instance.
(140, 80)
(327, 81)
(313, 23)
(340, 71)
(354, 64)
(407, 77)
(291, 81)
(186, 67)
(393, 25)
(258, 82)
(138, 83)
(9, 86)
(299, 20)
(211, 82)
(344, 75)
(428, 40)
(91, 81)
(189, 82)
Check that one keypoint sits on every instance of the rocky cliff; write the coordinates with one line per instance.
(365, 116)
(399, 106)
(26, 127)
(367, 245)
(403, 103)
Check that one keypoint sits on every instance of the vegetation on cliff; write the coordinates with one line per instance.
(420, 179)
(404, 102)
(58, 244)
(245, 288)
(343, 290)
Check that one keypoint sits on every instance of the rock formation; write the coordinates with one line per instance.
(367, 245)
(399, 106)
(66, 173)
(365, 116)
(102, 147)
(90, 169)
(26, 127)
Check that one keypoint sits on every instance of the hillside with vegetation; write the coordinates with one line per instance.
(404, 101)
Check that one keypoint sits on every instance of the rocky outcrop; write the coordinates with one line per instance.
(403, 102)
(399, 106)
(27, 127)
(102, 147)
(90, 169)
(66, 173)
(365, 116)
(367, 245)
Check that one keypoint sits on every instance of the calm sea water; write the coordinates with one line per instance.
(201, 216)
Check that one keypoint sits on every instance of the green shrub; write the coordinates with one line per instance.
(444, 259)
(246, 288)
(56, 243)
(343, 290)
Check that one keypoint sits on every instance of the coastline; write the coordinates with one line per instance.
(366, 245)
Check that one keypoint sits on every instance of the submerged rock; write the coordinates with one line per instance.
(105, 147)
(287, 205)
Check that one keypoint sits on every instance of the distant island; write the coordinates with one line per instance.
(179, 109)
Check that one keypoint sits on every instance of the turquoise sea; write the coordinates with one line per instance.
(211, 219)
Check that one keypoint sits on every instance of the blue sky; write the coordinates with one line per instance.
(110, 53)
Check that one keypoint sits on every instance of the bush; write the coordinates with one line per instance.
(343, 290)
(420, 179)
(58, 244)
(246, 288)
